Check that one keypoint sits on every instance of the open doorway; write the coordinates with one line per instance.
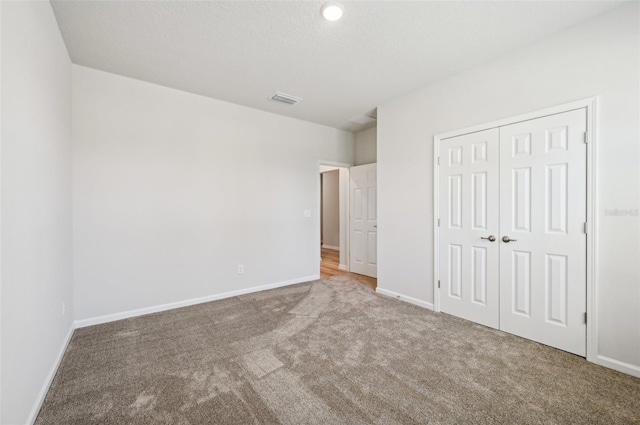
(334, 216)
(334, 185)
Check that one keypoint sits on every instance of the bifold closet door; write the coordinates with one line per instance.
(469, 227)
(542, 216)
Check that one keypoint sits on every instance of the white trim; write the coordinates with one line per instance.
(185, 303)
(436, 218)
(334, 164)
(553, 110)
(591, 105)
(0, 210)
(343, 267)
(335, 248)
(623, 367)
(592, 230)
(47, 383)
(405, 298)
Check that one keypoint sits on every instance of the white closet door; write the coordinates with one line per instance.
(468, 202)
(543, 211)
(363, 220)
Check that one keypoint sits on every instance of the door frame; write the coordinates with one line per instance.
(318, 238)
(591, 105)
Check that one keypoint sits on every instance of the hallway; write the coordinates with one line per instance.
(329, 266)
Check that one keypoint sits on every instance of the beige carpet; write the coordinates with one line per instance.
(327, 352)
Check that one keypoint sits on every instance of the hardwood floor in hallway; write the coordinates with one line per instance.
(330, 266)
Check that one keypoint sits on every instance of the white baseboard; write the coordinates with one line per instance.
(185, 303)
(343, 267)
(47, 384)
(335, 248)
(623, 367)
(405, 298)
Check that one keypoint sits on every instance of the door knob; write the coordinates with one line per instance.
(491, 238)
(507, 239)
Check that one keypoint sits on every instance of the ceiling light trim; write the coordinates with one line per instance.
(332, 11)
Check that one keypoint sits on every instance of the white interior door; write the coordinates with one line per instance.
(543, 211)
(363, 220)
(469, 251)
(525, 184)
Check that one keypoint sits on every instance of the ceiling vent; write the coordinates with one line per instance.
(367, 118)
(285, 98)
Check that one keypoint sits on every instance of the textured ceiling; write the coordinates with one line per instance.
(244, 51)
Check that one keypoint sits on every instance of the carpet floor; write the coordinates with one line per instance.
(325, 352)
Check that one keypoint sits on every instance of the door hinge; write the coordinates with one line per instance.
(585, 317)
(586, 227)
(438, 222)
(586, 137)
(438, 160)
(438, 284)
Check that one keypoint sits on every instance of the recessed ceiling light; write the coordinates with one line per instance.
(332, 11)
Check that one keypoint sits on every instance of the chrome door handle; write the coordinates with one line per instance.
(491, 238)
(507, 239)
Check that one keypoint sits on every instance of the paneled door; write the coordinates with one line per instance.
(542, 239)
(469, 250)
(363, 220)
(512, 246)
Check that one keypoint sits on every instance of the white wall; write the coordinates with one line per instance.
(172, 191)
(36, 204)
(366, 145)
(331, 208)
(597, 58)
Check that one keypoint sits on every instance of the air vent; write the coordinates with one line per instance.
(285, 98)
(362, 119)
(367, 118)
